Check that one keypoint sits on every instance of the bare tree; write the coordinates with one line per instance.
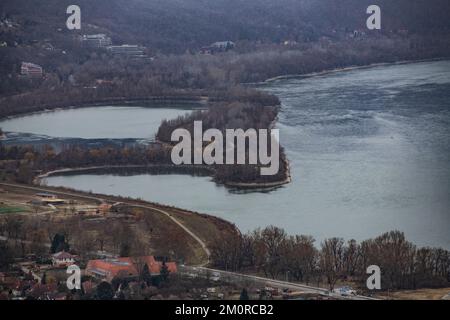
(300, 257)
(332, 260)
(271, 241)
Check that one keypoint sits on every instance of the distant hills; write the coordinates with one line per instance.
(174, 26)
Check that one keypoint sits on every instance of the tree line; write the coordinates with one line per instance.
(216, 76)
(248, 109)
(274, 253)
(237, 115)
(165, 26)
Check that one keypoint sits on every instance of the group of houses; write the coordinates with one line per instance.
(18, 286)
(101, 40)
(135, 51)
(34, 280)
(31, 70)
(110, 268)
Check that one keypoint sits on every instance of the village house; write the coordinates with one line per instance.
(220, 46)
(46, 198)
(223, 45)
(290, 43)
(48, 46)
(104, 208)
(128, 51)
(63, 259)
(103, 82)
(126, 267)
(31, 70)
(46, 195)
(96, 40)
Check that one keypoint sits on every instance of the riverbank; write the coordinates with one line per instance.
(263, 186)
(101, 169)
(195, 101)
(163, 169)
(350, 68)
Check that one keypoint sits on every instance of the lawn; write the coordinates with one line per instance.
(7, 209)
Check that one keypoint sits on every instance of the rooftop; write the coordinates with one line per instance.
(126, 265)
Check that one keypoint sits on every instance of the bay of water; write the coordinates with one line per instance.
(108, 122)
(369, 152)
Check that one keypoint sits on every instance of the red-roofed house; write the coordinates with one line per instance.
(104, 208)
(107, 269)
(31, 70)
(63, 259)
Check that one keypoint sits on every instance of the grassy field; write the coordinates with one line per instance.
(4, 209)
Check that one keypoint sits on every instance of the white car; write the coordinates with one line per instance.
(345, 291)
(215, 276)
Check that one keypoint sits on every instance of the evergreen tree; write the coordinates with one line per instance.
(59, 244)
(146, 275)
(105, 291)
(6, 256)
(125, 249)
(244, 295)
(164, 271)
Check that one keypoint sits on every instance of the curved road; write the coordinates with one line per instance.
(263, 282)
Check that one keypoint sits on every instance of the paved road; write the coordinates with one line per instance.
(100, 200)
(266, 282)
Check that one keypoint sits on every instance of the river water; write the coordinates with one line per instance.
(369, 152)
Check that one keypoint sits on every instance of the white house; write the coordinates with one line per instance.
(63, 259)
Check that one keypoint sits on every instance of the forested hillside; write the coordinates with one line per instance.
(272, 38)
(178, 25)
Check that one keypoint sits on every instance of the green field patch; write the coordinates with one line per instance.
(7, 209)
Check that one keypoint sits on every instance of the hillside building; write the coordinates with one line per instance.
(96, 40)
(31, 70)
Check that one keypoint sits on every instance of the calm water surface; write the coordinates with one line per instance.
(369, 152)
(109, 122)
